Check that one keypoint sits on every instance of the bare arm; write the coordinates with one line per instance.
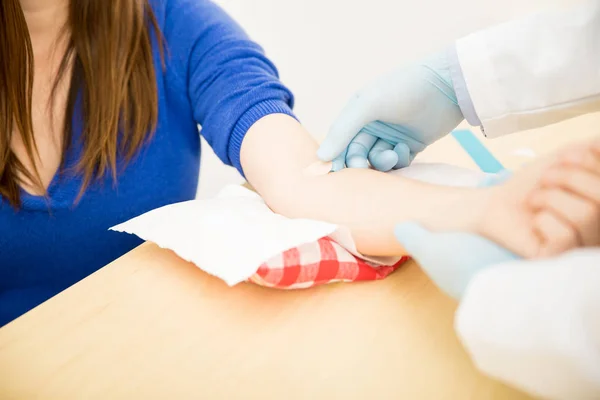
(276, 156)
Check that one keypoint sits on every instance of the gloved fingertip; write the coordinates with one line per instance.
(325, 153)
(411, 235)
(404, 157)
(337, 165)
(357, 162)
(384, 160)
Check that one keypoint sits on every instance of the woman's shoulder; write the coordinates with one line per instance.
(168, 9)
(192, 16)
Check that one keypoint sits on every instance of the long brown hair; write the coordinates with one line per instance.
(110, 55)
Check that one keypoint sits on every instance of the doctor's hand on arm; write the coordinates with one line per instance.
(394, 118)
(526, 73)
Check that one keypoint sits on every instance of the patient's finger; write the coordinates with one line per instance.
(583, 215)
(358, 150)
(558, 236)
(578, 180)
(382, 156)
(583, 157)
(596, 147)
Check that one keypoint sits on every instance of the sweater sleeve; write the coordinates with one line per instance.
(231, 83)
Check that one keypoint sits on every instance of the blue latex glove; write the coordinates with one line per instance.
(393, 119)
(450, 259)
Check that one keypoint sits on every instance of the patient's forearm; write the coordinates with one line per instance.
(276, 156)
(370, 203)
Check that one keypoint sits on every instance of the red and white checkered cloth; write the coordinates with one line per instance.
(318, 263)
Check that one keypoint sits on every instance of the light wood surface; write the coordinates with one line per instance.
(150, 326)
(153, 326)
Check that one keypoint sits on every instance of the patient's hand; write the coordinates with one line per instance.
(567, 201)
(548, 207)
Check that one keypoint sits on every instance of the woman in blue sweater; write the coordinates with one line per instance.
(99, 107)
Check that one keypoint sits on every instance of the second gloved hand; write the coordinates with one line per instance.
(450, 259)
(390, 121)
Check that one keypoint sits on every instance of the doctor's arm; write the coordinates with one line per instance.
(530, 72)
(536, 325)
(522, 74)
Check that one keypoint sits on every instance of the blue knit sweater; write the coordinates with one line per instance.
(215, 77)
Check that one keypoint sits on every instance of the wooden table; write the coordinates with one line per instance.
(150, 326)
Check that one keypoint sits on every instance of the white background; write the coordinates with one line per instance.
(326, 49)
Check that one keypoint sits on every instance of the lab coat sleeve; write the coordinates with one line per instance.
(532, 72)
(536, 324)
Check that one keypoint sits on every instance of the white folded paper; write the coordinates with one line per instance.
(231, 235)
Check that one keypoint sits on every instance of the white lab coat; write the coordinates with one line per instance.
(536, 325)
(534, 71)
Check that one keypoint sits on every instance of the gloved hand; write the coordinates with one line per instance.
(393, 119)
(450, 259)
